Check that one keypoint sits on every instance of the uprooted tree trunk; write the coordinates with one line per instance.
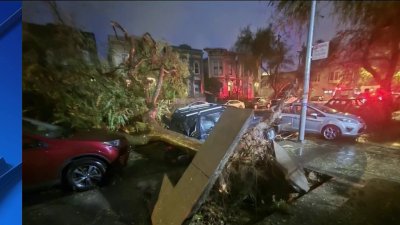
(251, 181)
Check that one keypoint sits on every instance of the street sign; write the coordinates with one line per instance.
(320, 51)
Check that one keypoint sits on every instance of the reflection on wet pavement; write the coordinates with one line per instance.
(347, 159)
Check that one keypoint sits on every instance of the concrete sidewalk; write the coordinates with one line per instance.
(364, 189)
(342, 202)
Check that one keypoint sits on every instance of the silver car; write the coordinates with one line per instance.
(323, 120)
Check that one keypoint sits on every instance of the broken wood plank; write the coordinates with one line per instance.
(175, 204)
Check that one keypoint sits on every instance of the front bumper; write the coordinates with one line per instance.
(351, 129)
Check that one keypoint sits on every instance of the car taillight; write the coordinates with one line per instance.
(114, 143)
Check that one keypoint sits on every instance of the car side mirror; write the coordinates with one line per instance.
(314, 115)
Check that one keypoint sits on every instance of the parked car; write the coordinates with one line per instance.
(235, 103)
(318, 99)
(323, 120)
(259, 103)
(197, 122)
(80, 160)
(349, 105)
(291, 99)
(197, 103)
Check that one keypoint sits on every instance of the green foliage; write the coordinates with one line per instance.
(265, 46)
(267, 50)
(83, 96)
(372, 37)
(213, 85)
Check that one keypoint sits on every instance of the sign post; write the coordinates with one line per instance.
(307, 73)
(320, 51)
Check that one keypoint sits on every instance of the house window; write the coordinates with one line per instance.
(217, 68)
(335, 76)
(196, 68)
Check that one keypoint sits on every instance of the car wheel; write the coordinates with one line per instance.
(331, 132)
(84, 174)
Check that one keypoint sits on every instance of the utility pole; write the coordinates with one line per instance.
(307, 73)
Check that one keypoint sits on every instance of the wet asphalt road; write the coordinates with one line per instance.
(128, 197)
(347, 159)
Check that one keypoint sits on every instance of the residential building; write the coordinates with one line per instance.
(119, 52)
(230, 69)
(194, 59)
(335, 80)
(54, 38)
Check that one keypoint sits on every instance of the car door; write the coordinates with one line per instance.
(312, 123)
(314, 120)
(286, 119)
(296, 109)
(37, 164)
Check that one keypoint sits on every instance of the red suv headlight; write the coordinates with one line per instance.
(114, 143)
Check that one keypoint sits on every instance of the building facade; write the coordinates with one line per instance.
(194, 59)
(335, 80)
(237, 81)
(57, 48)
(119, 51)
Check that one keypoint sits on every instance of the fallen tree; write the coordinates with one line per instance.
(130, 98)
(254, 181)
(82, 92)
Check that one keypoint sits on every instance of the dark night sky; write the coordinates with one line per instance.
(200, 24)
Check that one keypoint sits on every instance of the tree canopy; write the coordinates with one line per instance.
(90, 94)
(267, 50)
(371, 36)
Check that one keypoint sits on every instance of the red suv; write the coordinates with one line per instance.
(80, 160)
